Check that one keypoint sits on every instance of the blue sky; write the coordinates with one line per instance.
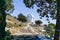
(21, 8)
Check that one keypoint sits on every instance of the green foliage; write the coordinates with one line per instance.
(45, 7)
(29, 3)
(22, 18)
(50, 28)
(9, 5)
(2, 5)
(2, 19)
(5, 5)
(7, 33)
(53, 9)
(15, 17)
(38, 22)
(8, 14)
(50, 1)
(7, 37)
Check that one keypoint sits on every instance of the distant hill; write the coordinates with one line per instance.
(13, 22)
(19, 28)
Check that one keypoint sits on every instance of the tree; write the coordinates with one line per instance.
(46, 7)
(5, 5)
(50, 28)
(38, 22)
(9, 5)
(22, 18)
(8, 14)
(8, 35)
(2, 19)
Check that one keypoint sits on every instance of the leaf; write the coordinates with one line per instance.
(49, 1)
(9, 5)
(38, 10)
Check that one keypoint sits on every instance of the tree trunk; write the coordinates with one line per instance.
(2, 19)
(57, 27)
(56, 37)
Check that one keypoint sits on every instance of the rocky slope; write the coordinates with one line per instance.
(18, 28)
(13, 22)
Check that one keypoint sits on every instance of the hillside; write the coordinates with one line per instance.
(18, 28)
(13, 22)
